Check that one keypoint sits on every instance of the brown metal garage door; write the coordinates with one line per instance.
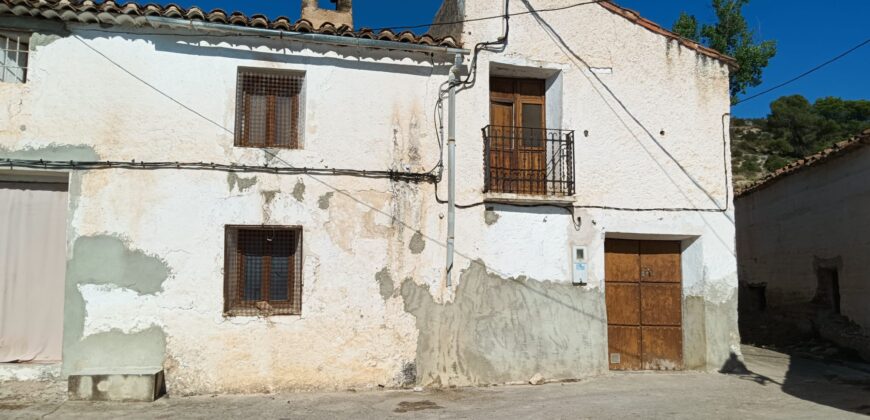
(644, 310)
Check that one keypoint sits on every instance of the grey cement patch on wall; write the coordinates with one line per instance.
(107, 260)
(500, 330)
(234, 180)
(299, 191)
(268, 197)
(490, 217)
(323, 201)
(385, 283)
(723, 335)
(694, 333)
(41, 40)
(417, 244)
(53, 152)
(116, 352)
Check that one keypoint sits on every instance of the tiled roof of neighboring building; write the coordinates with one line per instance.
(112, 12)
(654, 27)
(837, 150)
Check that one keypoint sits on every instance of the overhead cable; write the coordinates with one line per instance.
(804, 74)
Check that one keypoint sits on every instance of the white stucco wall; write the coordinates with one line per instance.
(815, 218)
(365, 109)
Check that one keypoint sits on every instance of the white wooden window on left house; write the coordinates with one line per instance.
(269, 108)
(14, 57)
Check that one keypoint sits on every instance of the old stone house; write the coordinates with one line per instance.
(246, 204)
(803, 248)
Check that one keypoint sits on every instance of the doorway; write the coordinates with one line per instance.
(33, 218)
(643, 294)
(828, 289)
(518, 142)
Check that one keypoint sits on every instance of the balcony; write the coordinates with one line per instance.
(528, 161)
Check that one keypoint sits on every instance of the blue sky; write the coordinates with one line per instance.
(808, 32)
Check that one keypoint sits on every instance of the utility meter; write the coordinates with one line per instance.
(579, 265)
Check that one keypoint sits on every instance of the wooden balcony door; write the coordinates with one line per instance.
(643, 294)
(518, 146)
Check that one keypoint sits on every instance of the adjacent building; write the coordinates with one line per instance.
(242, 204)
(802, 242)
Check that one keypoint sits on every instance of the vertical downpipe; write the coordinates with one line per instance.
(451, 168)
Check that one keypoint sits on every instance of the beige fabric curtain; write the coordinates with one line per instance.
(32, 268)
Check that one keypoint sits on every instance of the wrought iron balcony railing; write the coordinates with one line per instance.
(528, 161)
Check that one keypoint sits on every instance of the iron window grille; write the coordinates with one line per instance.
(269, 108)
(528, 161)
(263, 271)
(13, 60)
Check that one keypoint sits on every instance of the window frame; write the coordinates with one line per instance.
(235, 306)
(243, 112)
(22, 39)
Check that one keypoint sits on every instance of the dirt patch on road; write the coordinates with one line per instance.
(406, 406)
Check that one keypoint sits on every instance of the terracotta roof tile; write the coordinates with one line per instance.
(837, 150)
(112, 12)
(635, 17)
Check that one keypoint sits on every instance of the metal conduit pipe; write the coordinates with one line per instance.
(451, 167)
(196, 25)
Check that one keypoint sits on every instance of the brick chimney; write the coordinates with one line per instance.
(342, 15)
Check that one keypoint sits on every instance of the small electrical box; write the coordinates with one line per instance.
(579, 265)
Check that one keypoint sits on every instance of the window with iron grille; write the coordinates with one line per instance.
(13, 60)
(269, 108)
(263, 271)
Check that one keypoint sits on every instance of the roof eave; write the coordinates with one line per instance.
(200, 26)
(840, 149)
(653, 27)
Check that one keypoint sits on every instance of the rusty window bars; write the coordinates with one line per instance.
(263, 271)
(269, 108)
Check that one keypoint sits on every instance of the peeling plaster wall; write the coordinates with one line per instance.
(500, 330)
(146, 247)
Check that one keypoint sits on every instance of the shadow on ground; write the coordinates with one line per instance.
(837, 384)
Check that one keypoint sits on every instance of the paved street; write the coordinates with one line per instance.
(774, 387)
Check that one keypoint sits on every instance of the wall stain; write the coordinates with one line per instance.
(244, 184)
(268, 198)
(500, 330)
(418, 244)
(385, 283)
(490, 217)
(323, 201)
(299, 191)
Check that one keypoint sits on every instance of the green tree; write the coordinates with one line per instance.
(775, 162)
(686, 26)
(793, 119)
(749, 166)
(732, 36)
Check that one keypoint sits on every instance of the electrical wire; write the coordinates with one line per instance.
(433, 175)
(804, 74)
(568, 51)
(413, 177)
(469, 81)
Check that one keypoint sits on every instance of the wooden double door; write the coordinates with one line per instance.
(643, 287)
(517, 137)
